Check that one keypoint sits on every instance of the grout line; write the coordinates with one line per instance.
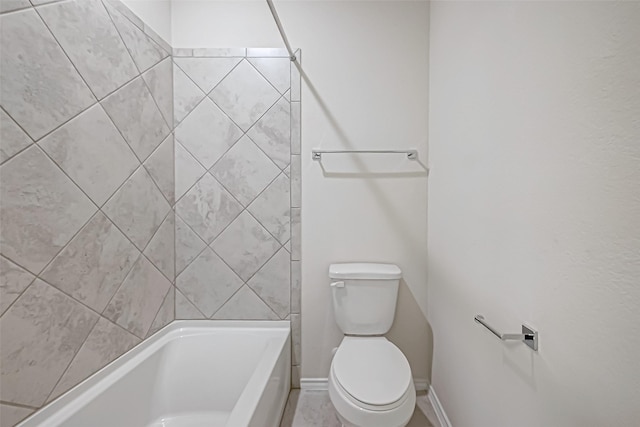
(75, 354)
(95, 97)
(18, 405)
(265, 77)
(190, 302)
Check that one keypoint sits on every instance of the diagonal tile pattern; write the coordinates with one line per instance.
(94, 264)
(76, 207)
(207, 133)
(245, 170)
(208, 282)
(99, 96)
(245, 245)
(41, 88)
(145, 52)
(207, 72)
(92, 152)
(104, 69)
(136, 114)
(12, 138)
(40, 210)
(244, 95)
(208, 208)
(138, 208)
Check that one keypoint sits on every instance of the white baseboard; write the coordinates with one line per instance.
(437, 407)
(323, 384)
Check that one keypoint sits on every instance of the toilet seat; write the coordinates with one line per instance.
(372, 372)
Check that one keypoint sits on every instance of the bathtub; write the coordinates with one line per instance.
(192, 373)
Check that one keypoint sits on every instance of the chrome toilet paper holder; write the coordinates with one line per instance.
(528, 336)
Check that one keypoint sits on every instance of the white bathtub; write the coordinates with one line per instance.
(193, 373)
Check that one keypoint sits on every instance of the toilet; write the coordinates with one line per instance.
(370, 381)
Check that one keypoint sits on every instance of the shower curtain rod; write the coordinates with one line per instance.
(272, 8)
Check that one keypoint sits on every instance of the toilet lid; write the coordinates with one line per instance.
(372, 370)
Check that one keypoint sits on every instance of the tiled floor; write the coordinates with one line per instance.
(311, 408)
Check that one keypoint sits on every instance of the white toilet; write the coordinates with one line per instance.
(370, 382)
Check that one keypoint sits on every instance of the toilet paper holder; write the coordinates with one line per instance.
(528, 336)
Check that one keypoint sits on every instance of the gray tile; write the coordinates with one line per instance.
(40, 88)
(161, 250)
(272, 283)
(287, 171)
(160, 167)
(267, 52)
(12, 138)
(188, 245)
(138, 208)
(125, 11)
(185, 309)
(272, 133)
(244, 95)
(145, 52)
(208, 208)
(287, 95)
(181, 51)
(296, 116)
(105, 343)
(208, 282)
(207, 133)
(296, 339)
(99, 54)
(165, 313)
(92, 152)
(207, 72)
(245, 170)
(271, 208)
(296, 286)
(296, 89)
(41, 333)
(296, 181)
(41, 209)
(8, 6)
(156, 38)
(13, 281)
(296, 234)
(276, 70)
(12, 415)
(219, 52)
(160, 82)
(94, 264)
(245, 245)
(295, 376)
(187, 170)
(287, 246)
(186, 95)
(309, 408)
(137, 301)
(136, 115)
(245, 305)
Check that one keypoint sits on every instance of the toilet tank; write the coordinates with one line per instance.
(364, 296)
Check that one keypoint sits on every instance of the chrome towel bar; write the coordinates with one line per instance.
(316, 154)
(528, 335)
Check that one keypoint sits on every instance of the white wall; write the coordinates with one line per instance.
(155, 13)
(366, 87)
(534, 211)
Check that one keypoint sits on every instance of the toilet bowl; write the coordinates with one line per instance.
(370, 381)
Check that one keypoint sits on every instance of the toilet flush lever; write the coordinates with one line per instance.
(337, 285)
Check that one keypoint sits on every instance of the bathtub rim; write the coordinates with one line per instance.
(76, 398)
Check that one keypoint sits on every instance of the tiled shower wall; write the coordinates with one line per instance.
(86, 190)
(89, 242)
(237, 165)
